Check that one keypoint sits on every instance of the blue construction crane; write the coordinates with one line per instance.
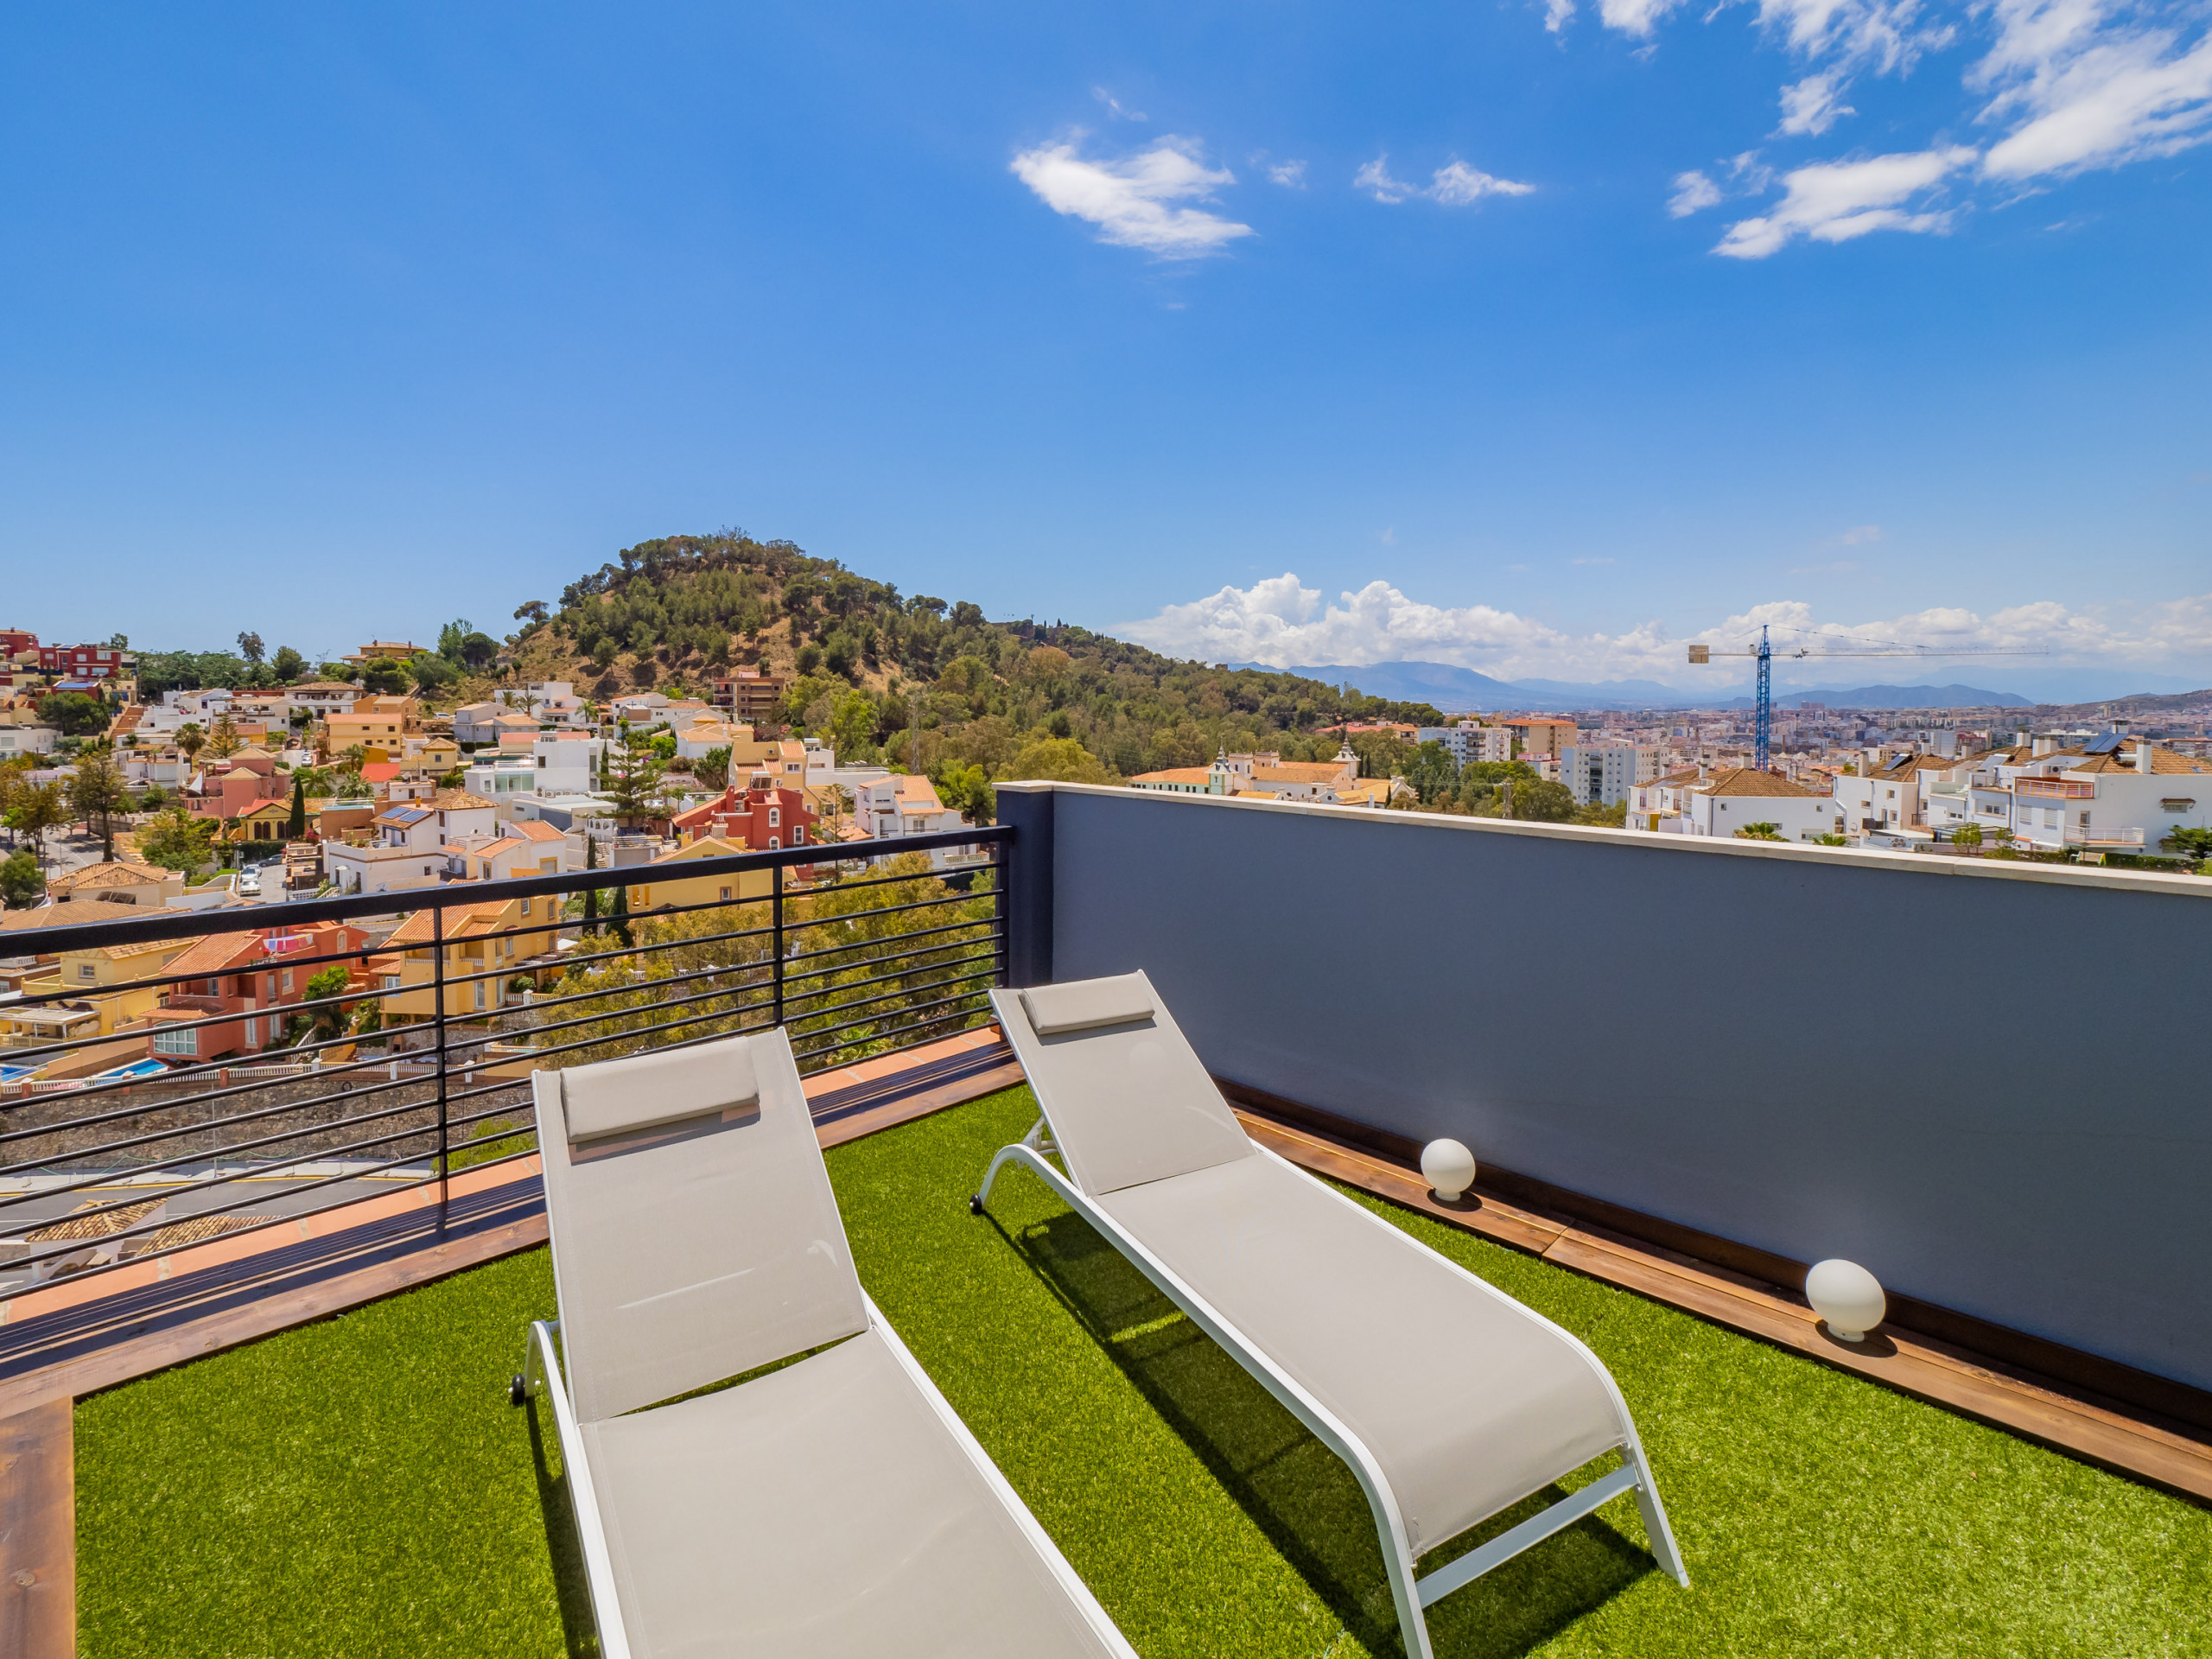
(1763, 652)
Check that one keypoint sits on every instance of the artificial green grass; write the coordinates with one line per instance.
(360, 1486)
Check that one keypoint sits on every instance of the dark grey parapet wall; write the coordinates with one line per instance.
(1990, 1083)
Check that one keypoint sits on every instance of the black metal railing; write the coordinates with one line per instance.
(223, 1078)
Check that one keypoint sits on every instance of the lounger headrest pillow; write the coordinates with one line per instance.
(651, 1090)
(1087, 1005)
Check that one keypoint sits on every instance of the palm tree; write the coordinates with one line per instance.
(190, 739)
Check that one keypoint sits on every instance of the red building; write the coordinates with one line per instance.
(759, 818)
(13, 640)
(80, 662)
(256, 976)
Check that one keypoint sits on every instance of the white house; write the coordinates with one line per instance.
(2110, 795)
(1731, 800)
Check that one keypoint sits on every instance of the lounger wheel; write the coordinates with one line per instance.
(975, 1203)
(518, 1390)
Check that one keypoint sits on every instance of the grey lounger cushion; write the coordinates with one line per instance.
(832, 1507)
(819, 1512)
(1129, 1101)
(1467, 1401)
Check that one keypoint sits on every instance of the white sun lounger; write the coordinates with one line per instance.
(834, 1508)
(1449, 1400)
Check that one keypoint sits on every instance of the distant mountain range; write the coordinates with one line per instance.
(1453, 688)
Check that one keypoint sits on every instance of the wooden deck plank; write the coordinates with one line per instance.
(38, 1532)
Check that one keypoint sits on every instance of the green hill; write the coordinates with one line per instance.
(902, 678)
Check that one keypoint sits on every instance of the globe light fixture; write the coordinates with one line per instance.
(1448, 1167)
(1847, 1297)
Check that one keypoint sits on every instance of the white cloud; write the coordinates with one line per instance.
(1888, 34)
(1636, 17)
(1283, 622)
(1556, 14)
(1454, 185)
(1374, 179)
(1835, 201)
(1813, 104)
(1290, 174)
(2085, 92)
(1114, 105)
(1692, 191)
(1859, 536)
(1129, 199)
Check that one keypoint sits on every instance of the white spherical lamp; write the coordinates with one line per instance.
(1847, 1297)
(1448, 1167)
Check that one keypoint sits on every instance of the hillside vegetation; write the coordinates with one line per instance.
(914, 681)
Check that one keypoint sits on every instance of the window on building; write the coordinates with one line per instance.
(176, 1042)
(775, 817)
(775, 843)
(480, 994)
(253, 1033)
(390, 981)
(86, 970)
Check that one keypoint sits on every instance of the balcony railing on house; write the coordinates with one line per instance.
(309, 1054)
(2061, 789)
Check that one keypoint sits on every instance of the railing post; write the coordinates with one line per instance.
(776, 933)
(438, 1029)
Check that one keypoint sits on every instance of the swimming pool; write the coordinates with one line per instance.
(147, 1068)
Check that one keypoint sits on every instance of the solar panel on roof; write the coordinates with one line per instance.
(2105, 744)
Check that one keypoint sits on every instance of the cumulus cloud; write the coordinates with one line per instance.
(1131, 200)
(1283, 622)
(1692, 191)
(1887, 35)
(1556, 14)
(1290, 174)
(2085, 90)
(1455, 184)
(1374, 179)
(1813, 104)
(1835, 201)
(1636, 17)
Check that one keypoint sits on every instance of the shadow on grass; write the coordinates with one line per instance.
(579, 1630)
(1300, 1494)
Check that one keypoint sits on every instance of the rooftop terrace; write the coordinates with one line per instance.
(287, 1424)
(362, 1485)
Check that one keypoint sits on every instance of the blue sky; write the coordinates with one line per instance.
(1538, 338)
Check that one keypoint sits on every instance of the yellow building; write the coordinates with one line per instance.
(407, 973)
(266, 821)
(436, 755)
(95, 985)
(673, 888)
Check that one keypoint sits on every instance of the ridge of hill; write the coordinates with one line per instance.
(902, 678)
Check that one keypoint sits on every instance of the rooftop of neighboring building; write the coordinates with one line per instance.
(1749, 781)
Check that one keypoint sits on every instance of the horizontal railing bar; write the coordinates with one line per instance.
(855, 1025)
(861, 1002)
(878, 979)
(646, 1007)
(983, 924)
(221, 1153)
(71, 1246)
(916, 1025)
(995, 940)
(302, 913)
(813, 922)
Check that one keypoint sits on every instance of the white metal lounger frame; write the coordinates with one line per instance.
(1412, 1594)
(541, 1374)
